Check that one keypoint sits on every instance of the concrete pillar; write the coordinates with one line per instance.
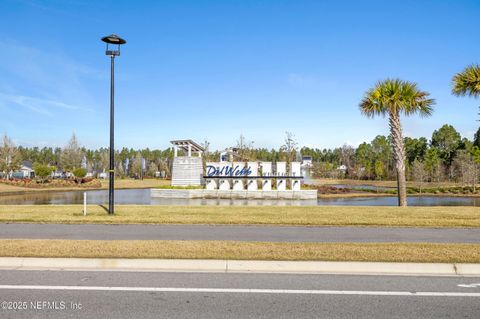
(200, 153)
(238, 182)
(211, 183)
(267, 172)
(189, 150)
(281, 171)
(175, 151)
(224, 183)
(252, 183)
(296, 172)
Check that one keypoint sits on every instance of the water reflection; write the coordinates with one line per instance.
(122, 196)
(142, 197)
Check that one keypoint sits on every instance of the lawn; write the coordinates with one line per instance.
(232, 250)
(259, 215)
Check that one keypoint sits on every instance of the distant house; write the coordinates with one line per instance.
(307, 161)
(61, 174)
(342, 168)
(25, 171)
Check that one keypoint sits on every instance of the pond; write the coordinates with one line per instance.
(142, 197)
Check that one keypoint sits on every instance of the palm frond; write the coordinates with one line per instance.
(394, 96)
(467, 82)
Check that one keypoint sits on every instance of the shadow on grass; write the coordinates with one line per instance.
(105, 208)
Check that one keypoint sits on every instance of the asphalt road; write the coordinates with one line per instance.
(240, 233)
(218, 295)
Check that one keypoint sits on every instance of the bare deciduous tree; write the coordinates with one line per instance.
(10, 158)
(137, 164)
(465, 168)
(244, 148)
(418, 173)
(72, 155)
(289, 149)
(152, 169)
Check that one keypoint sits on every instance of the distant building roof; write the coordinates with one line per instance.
(183, 144)
(27, 164)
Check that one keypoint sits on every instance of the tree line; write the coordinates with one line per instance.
(446, 156)
(394, 98)
(128, 161)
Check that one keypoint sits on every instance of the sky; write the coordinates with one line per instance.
(213, 70)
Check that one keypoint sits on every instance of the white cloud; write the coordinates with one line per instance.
(43, 81)
(37, 105)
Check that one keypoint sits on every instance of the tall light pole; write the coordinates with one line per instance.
(112, 39)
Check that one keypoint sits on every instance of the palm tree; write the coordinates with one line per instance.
(467, 82)
(393, 97)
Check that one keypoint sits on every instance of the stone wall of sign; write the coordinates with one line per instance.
(272, 195)
(187, 171)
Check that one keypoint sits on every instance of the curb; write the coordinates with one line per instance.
(238, 266)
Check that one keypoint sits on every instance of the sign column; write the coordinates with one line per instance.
(238, 182)
(281, 171)
(252, 183)
(266, 172)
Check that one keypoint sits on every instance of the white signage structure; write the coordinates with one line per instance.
(281, 171)
(234, 180)
(266, 171)
(295, 171)
(239, 176)
(211, 184)
(238, 182)
(224, 182)
(252, 183)
(187, 170)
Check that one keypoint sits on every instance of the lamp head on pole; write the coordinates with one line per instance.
(113, 39)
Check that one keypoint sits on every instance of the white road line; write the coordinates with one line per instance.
(243, 290)
(469, 285)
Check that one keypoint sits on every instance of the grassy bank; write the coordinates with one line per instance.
(451, 253)
(119, 184)
(260, 215)
(333, 181)
(136, 183)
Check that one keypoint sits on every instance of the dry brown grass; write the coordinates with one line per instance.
(332, 181)
(119, 184)
(4, 188)
(136, 183)
(260, 215)
(387, 252)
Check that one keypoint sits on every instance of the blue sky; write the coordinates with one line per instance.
(217, 69)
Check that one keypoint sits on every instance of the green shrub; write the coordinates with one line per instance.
(42, 171)
(79, 173)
